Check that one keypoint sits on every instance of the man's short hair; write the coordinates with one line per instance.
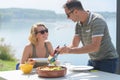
(73, 4)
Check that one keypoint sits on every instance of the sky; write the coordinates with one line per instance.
(56, 5)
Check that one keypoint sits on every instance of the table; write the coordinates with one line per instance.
(88, 75)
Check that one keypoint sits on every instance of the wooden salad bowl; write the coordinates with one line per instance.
(51, 71)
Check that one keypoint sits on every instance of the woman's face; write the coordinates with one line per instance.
(42, 33)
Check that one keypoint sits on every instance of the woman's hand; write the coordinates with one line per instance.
(31, 61)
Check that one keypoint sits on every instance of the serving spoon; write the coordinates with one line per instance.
(55, 54)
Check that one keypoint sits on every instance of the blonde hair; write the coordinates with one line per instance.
(32, 36)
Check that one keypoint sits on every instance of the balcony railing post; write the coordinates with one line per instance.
(118, 34)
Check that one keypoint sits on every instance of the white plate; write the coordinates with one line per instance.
(41, 59)
(80, 68)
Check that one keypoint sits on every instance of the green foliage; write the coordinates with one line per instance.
(7, 65)
(6, 52)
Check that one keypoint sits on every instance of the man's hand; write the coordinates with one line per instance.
(64, 50)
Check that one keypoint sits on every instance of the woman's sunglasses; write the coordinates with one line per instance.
(42, 31)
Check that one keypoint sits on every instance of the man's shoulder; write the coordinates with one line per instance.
(96, 15)
(97, 19)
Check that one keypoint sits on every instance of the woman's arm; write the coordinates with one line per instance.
(26, 54)
(50, 47)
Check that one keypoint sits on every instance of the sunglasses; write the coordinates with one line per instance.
(68, 14)
(42, 31)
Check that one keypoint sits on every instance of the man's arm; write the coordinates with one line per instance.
(93, 47)
(75, 42)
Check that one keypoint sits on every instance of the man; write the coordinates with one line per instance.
(92, 30)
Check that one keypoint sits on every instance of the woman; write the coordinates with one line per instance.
(39, 46)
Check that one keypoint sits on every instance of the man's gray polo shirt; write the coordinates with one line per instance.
(96, 26)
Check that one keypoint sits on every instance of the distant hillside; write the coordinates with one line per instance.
(8, 14)
(18, 13)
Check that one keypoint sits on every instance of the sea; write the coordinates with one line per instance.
(61, 32)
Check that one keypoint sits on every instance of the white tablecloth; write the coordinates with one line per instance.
(96, 75)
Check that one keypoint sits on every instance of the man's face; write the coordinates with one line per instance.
(71, 14)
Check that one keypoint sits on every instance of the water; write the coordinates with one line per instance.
(60, 33)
